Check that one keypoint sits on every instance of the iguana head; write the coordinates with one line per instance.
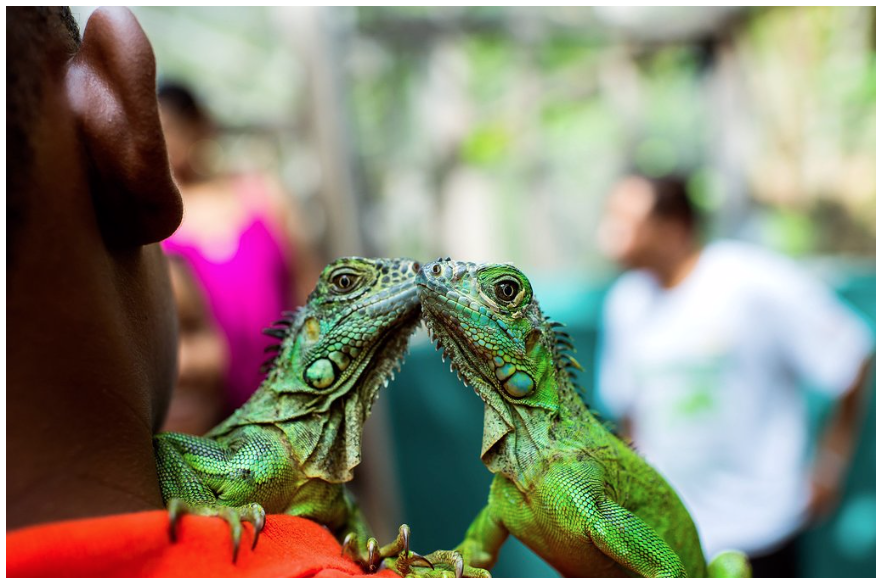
(487, 319)
(336, 352)
(357, 313)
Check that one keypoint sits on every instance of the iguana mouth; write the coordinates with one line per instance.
(453, 298)
(405, 320)
(380, 303)
(470, 366)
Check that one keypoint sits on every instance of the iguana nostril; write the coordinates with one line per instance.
(415, 267)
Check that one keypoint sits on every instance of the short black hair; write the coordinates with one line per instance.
(181, 99)
(32, 34)
(672, 199)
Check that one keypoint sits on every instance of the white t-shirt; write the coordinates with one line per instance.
(709, 374)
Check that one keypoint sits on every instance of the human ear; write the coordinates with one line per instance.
(110, 85)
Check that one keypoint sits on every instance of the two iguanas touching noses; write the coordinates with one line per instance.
(565, 486)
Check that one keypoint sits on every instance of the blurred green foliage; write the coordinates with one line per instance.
(550, 107)
(540, 110)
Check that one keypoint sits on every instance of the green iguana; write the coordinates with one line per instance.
(291, 447)
(565, 486)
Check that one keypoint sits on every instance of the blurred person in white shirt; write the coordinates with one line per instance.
(704, 353)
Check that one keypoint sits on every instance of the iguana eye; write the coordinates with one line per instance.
(436, 269)
(507, 290)
(344, 281)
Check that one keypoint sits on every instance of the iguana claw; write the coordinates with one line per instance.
(374, 554)
(258, 523)
(404, 533)
(459, 565)
(419, 561)
(235, 516)
(349, 546)
(404, 564)
(175, 509)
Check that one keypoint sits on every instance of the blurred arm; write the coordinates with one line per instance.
(837, 444)
(829, 347)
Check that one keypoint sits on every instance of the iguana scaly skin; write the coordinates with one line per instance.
(293, 444)
(565, 486)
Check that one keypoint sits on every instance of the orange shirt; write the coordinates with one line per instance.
(137, 545)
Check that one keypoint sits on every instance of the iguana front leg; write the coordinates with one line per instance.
(204, 477)
(483, 539)
(614, 530)
(624, 537)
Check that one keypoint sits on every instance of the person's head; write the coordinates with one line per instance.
(186, 126)
(90, 315)
(647, 218)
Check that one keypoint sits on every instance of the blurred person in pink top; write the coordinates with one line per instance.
(242, 245)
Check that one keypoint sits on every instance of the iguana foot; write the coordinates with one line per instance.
(404, 564)
(234, 515)
(374, 554)
(440, 564)
(456, 561)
